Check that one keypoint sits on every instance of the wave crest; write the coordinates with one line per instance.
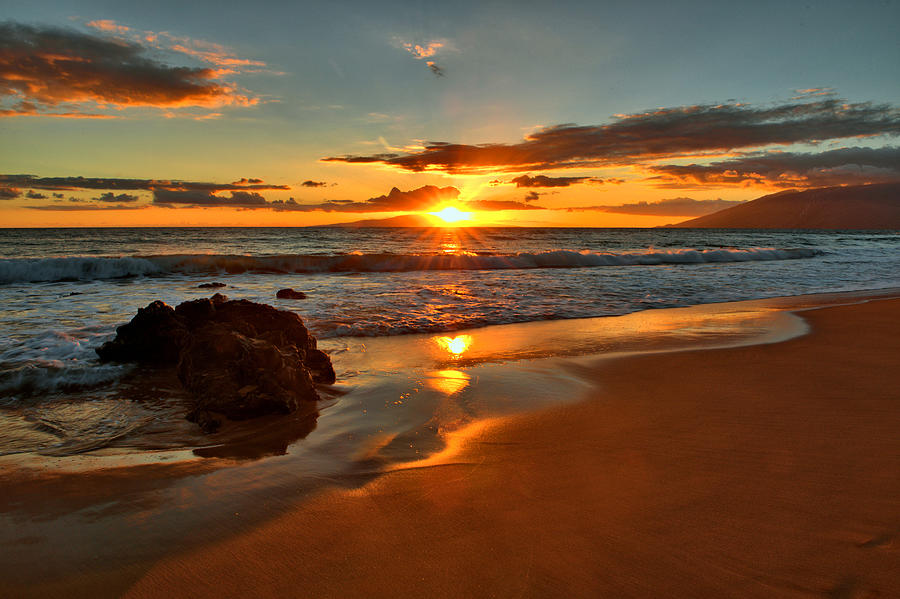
(88, 268)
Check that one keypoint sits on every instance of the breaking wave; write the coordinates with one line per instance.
(34, 270)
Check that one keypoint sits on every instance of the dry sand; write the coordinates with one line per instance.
(762, 471)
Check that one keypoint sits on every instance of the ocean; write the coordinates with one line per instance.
(64, 291)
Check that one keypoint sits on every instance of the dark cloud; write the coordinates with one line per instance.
(237, 199)
(423, 198)
(532, 196)
(435, 69)
(100, 183)
(669, 207)
(311, 183)
(545, 181)
(121, 198)
(9, 193)
(43, 69)
(86, 206)
(33, 195)
(845, 166)
(489, 205)
(669, 132)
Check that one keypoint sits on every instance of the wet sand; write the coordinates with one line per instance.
(760, 471)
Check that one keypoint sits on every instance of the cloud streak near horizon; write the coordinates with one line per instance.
(104, 183)
(52, 71)
(786, 169)
(422, 199)
(667, 207)
(545, 181)
(652, 135)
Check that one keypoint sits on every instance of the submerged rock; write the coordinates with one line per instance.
(236, 357)
(290, 294)
(214, 285)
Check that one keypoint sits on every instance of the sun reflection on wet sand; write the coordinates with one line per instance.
(448, 382)
(456, 346)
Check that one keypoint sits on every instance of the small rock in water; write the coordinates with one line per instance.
(214, 285)
(290, 294)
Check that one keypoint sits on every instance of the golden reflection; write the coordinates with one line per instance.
(456, 346)
(450, 247)
(447, 382)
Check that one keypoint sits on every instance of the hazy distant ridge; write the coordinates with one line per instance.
(854, 207)
(404, 220)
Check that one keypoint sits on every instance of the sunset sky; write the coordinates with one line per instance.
(526, 113)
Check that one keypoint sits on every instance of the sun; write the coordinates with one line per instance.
(452, 214)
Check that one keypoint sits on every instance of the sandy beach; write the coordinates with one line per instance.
(758, 471)
(449, 299)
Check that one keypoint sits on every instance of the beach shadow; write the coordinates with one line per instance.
(260, 437)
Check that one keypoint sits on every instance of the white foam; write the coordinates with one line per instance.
(33, 270)
(53, 376)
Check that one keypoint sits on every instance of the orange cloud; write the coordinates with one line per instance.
(10, 193)
(45, 68)
(212, 53)
(109, 26)
(420, 51)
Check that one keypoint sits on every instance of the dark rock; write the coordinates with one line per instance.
(206, 421)
(242, 377)
(215, 285)
(319, 365)
(155, 335)
(290, 294)
(237, 358)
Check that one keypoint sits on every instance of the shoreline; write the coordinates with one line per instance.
(453, 475)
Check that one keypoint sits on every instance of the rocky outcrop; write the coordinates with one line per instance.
(242, 377)
(155, 335)
(290, 294)
(214, 285)
(236, 358)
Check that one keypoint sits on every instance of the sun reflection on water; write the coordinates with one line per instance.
(448, 382)
(455, 346)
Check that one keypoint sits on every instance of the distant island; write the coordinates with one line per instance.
(408, 220)
(874, 206)
(404, 220)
